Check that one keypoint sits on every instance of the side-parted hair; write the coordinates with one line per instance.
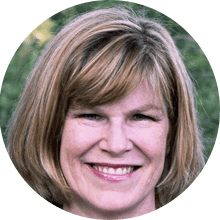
(98, 58)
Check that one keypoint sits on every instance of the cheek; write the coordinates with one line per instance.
(77, 138)
(155, 151)
(152, 142)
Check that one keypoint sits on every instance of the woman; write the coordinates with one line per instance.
(101, 127)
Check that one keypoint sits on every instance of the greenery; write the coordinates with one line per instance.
(207, 99)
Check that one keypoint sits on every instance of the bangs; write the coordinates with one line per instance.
(114, 64)
(109, 75)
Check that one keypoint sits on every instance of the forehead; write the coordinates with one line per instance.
(142, 98)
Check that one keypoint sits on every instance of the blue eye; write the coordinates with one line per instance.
(90, 116)
(141, 117)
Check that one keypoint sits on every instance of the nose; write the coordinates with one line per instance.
(116, 141)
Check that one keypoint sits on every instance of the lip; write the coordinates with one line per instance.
(112, 165)
(111, 177)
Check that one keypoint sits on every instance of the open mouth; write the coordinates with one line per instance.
(114, 169)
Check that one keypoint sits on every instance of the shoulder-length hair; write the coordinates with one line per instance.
(98, 58)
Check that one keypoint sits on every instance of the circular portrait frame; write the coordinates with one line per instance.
(199, 199)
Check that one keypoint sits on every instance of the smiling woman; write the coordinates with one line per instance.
(101, 127)
(121, 157)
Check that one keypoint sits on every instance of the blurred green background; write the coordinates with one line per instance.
(207, 99)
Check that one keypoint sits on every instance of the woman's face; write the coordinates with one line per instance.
(113, 155)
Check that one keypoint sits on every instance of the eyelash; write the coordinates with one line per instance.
(141, 117)
(90, 116)
(135, 117)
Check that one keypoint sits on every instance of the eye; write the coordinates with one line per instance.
(90, 116)
(141, 117)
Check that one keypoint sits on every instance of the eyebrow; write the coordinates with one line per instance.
(149, 107)
(146, 107)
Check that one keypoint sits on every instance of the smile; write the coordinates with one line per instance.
(113, 172)
(110, 170)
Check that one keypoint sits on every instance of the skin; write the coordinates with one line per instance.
(131, 131)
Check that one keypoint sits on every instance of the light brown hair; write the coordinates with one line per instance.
(98, 58)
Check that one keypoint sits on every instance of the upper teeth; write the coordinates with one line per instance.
(110, 170)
